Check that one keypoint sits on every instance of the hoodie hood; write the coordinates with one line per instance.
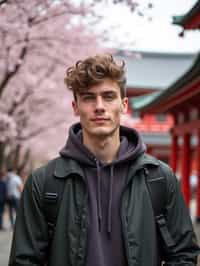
(131, 146)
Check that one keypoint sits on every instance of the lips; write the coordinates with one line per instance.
(99, 119)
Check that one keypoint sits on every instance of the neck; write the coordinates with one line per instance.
(104, 148)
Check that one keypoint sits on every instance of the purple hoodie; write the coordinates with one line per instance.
(105, 181)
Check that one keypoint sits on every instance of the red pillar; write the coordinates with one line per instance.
(185, 167)
(198, 175)
(149, 150)
(174, 152)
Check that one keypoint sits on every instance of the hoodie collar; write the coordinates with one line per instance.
(131, 147)
(65, 166)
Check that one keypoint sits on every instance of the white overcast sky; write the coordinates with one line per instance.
(138, 33)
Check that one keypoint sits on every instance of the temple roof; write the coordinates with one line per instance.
(150, 103)
(190, 20)
(153, 70)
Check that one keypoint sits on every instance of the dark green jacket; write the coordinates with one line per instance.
(143, 244)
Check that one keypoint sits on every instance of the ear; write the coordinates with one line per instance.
(75, 108)
(124, 105)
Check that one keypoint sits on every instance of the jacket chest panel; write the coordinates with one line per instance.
(71, 227)
(139, 222)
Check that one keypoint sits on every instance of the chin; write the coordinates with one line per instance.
(103, 132)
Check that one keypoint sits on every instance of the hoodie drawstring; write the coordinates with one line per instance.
(110, 199)
(99, 208)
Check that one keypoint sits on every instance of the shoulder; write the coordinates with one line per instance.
(165, 169)
(171, 179)
(37, 178)
(172, 184)
(17, 179)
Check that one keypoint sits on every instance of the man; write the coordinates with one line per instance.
(14, 189)
(105, 216)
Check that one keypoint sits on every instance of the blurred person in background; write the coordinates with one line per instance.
(3, 194)
(14, 189)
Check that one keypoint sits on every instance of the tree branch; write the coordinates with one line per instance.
(40, 130)
(30, 91)
(10, 74)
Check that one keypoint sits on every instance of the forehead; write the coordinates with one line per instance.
(105, 86)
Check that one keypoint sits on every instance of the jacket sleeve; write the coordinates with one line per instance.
(184, 249)
(30, 238)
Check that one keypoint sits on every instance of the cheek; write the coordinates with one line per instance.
(116, 113)
(117, 109)
(83, 110)
(84, 114)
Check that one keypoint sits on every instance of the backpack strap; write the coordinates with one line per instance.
(52, 197)
(157, 186)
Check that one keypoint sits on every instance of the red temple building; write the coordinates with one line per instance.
(147, 73)
(181, 100)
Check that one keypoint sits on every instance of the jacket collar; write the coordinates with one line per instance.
(65, 167)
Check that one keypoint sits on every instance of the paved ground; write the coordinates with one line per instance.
(6, 236)
(5, 241)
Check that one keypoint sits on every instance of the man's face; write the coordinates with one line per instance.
(100, 108)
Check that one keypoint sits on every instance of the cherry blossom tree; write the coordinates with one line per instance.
(38, 41)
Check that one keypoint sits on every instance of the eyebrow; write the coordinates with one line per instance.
(109, 92)
(86, 93)
(93, 93)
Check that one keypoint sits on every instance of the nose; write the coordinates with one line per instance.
(99, 104)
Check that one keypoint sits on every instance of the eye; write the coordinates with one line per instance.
(88, 97)
(109, 97)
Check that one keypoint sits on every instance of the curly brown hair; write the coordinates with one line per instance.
(92, 71)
